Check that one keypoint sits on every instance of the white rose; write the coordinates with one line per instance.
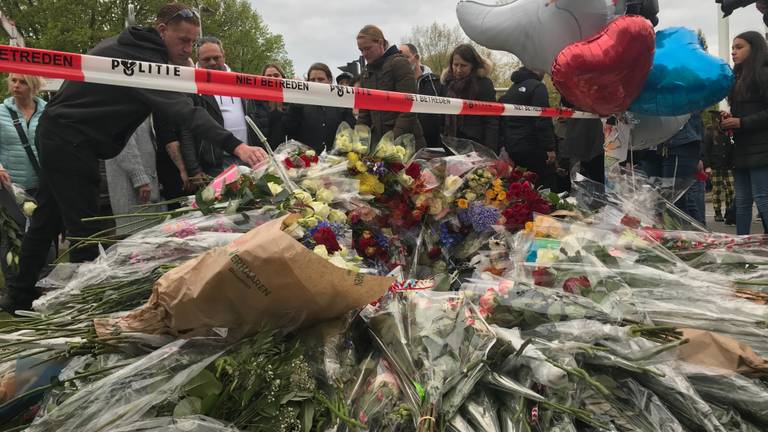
(435, 207)
(208, 194)
(321, 250)
(337, 216)
(452, 184)
(302, 196)
(546, 257)
(312, 185)
(274, 188)
(29, 208)
(321, 209)
(309, 222)
(324, 195)
(470, 196)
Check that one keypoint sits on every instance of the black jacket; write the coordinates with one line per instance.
(391, 72)
(429, 84)
(103, 117)
(527, 134)
(751, 139)
(201, 154)
(718, 150)
(480, 129)
(316, 126)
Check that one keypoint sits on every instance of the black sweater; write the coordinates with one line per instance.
(104, 117)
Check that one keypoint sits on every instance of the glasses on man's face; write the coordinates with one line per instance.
(184, 14)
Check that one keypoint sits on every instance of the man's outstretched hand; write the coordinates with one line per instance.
(250, 155)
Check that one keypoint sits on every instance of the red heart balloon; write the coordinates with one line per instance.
(606, 73)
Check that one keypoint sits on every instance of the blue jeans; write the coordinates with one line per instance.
(751, 186)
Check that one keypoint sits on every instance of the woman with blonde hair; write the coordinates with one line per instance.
(275, 113)
(19, 159)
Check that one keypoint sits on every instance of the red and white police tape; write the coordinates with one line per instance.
(130, 73)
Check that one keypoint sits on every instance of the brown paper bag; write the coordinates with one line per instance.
(263, 277)
(722, 352)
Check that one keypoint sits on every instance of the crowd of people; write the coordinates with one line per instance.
(163, 145)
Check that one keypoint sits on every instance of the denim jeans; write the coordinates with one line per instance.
(751, 186)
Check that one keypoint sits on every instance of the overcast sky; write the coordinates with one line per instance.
(325, 30)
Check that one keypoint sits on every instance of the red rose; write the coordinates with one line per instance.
(543, 277)
(395, 167)
(325, 236)
(435, 253)
(413, 171)
(576, 285)
(289, 163)
(306, 160)
(630, 222)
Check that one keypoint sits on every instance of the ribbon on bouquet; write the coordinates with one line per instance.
(156, 76)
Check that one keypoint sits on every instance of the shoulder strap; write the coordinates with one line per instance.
(24, 140)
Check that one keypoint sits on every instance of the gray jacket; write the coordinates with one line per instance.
(133, 167)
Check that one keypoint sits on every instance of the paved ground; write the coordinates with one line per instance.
(757, 226)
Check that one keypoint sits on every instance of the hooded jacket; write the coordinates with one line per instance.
(527, 134)
(391, 72)
(104, 117)
(480, 129)
(751, 139)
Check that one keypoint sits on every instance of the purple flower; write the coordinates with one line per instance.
(482, 218)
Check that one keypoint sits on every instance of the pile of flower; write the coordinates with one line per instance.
(506, 316)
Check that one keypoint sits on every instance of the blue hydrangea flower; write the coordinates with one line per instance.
(448, 238)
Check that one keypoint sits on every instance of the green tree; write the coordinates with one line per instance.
(78, 25)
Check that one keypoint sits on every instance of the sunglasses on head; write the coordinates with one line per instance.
(183, 14)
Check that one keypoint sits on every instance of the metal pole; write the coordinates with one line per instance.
(724, 43)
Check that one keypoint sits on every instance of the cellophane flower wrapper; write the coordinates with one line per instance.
(349, 140)
(635, 276)
(131, 394)
(178, 424)
(170, 243)
(395, 150)
(726, 388)
(680, 396)
(480, 411)
(430, 339)
(376, 398)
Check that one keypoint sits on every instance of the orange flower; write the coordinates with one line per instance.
(462, 203)
(490, 194)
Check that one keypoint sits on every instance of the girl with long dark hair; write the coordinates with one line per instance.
(749, 121)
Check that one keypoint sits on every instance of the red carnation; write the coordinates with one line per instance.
(289, 163)
(325, 236)
(576, 285)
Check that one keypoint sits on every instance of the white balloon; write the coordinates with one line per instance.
(650, 131)
(534, 30)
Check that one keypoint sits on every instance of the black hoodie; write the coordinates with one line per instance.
(527, 134)
(103, 117)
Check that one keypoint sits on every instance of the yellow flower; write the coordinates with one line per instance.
(501, 196)
(353, 157)
(360, 167)
(497, 184)
(490, 195)
(462, 203)
(370, 184)
(529, 226)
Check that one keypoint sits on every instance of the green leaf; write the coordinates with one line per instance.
(203, 385)
(187, 407)
(309, 414)
(420, 391)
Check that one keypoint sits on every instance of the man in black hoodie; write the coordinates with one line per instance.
(530, 141)
(86, 122)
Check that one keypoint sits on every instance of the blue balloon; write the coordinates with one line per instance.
(684, 78)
